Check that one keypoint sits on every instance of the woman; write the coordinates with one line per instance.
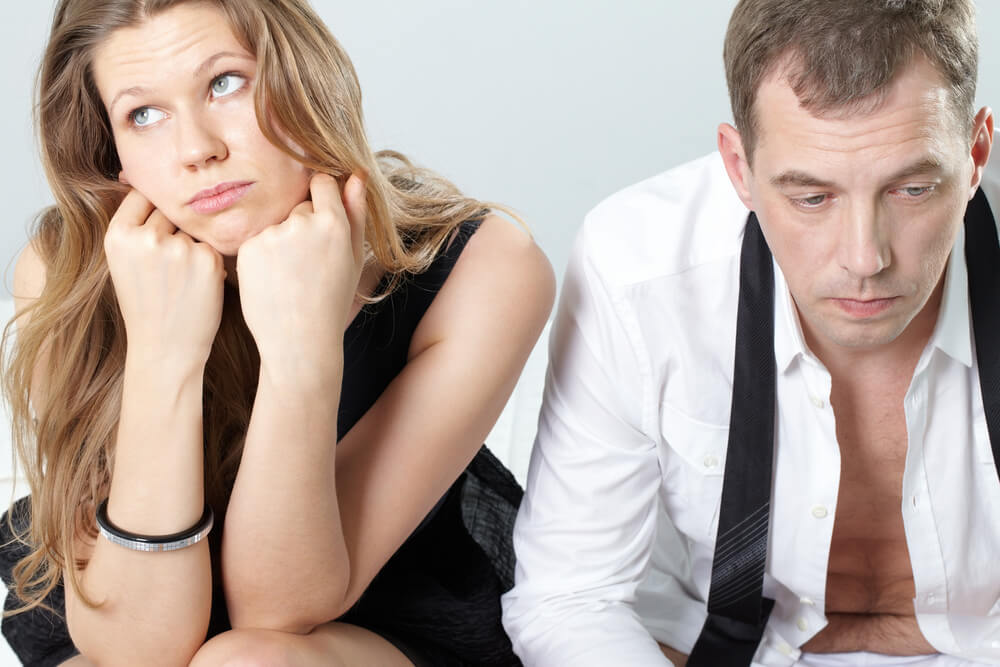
(229, 285)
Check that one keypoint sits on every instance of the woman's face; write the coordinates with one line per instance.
(178, 89)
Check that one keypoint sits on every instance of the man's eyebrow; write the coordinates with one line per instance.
(925, 165)
(199, 71)
(796, 178)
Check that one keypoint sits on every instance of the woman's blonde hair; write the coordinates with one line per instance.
(306, 92)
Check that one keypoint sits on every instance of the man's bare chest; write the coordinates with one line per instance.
(869, 569)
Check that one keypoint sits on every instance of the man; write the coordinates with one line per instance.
(784, 462)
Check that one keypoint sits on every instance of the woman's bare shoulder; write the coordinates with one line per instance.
(29, 277)
(503, 255)
(501, 276)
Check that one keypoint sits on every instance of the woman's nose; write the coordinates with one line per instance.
(199, 143)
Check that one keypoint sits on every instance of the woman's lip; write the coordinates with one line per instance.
(220, 197)
(864, 308)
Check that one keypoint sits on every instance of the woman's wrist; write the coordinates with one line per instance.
(163, 368)
(306, 372)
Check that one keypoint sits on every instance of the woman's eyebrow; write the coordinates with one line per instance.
(199, 71)
(210, 61)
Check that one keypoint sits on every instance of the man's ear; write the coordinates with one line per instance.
(734, 157)
(982, 144)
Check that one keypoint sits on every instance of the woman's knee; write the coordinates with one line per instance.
(251, 648)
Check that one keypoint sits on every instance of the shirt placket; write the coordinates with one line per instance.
(922, 540)
(800, 610)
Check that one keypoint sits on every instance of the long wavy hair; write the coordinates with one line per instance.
(306, 91)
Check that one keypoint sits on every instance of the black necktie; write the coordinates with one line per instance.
(737, 609)
(982, 254)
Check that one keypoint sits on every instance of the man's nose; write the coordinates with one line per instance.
(864, 249)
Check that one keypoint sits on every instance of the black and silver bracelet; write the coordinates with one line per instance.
(173, 542)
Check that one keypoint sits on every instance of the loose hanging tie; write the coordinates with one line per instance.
(737, 608)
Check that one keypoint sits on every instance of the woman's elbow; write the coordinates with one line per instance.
(290, 611)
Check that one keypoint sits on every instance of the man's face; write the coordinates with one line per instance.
(861, 210)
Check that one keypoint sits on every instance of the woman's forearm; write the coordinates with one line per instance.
(153, 608)
(284, 559)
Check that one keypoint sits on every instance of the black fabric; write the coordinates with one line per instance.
(39, 637)
(738, 612)
(438, 597)
(982, 254)
(440, 592)
(726, 641)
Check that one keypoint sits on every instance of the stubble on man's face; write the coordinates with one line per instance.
(861, 211)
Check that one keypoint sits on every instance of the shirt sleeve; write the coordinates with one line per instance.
(585, 529)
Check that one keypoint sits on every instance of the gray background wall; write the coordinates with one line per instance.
(546, 105)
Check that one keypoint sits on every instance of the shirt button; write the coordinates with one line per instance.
(819, 512)
(803, 624)
(806, 601)
(785, 648)
(818, 402)
(711, 461)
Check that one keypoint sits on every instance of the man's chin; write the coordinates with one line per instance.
(861, 336)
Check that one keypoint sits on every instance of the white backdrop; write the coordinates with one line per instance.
(546, 105)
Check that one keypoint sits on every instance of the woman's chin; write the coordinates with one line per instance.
(227, 236)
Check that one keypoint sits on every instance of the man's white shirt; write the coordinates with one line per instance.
(616, 532)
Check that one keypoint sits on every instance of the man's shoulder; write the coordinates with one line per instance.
(668, 224)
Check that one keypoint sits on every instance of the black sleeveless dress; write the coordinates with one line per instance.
(437, 599)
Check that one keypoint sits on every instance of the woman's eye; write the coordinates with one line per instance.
(145, 116)
(227, 84)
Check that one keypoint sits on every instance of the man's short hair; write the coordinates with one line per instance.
(840, 56)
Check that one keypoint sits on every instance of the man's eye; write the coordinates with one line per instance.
(145, 116)
(916, 191)
(811, 201)
(227, 84)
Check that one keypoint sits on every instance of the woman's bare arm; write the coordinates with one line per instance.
(154, 607)
(299, 496)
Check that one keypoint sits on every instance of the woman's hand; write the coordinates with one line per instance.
(169, 286)
(298, 279)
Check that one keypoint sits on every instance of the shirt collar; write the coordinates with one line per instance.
(952, 332)
(789, 343)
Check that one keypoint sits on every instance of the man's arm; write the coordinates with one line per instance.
(676, 657)
(585, 530)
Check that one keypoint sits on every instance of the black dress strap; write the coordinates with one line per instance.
(737, 609)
